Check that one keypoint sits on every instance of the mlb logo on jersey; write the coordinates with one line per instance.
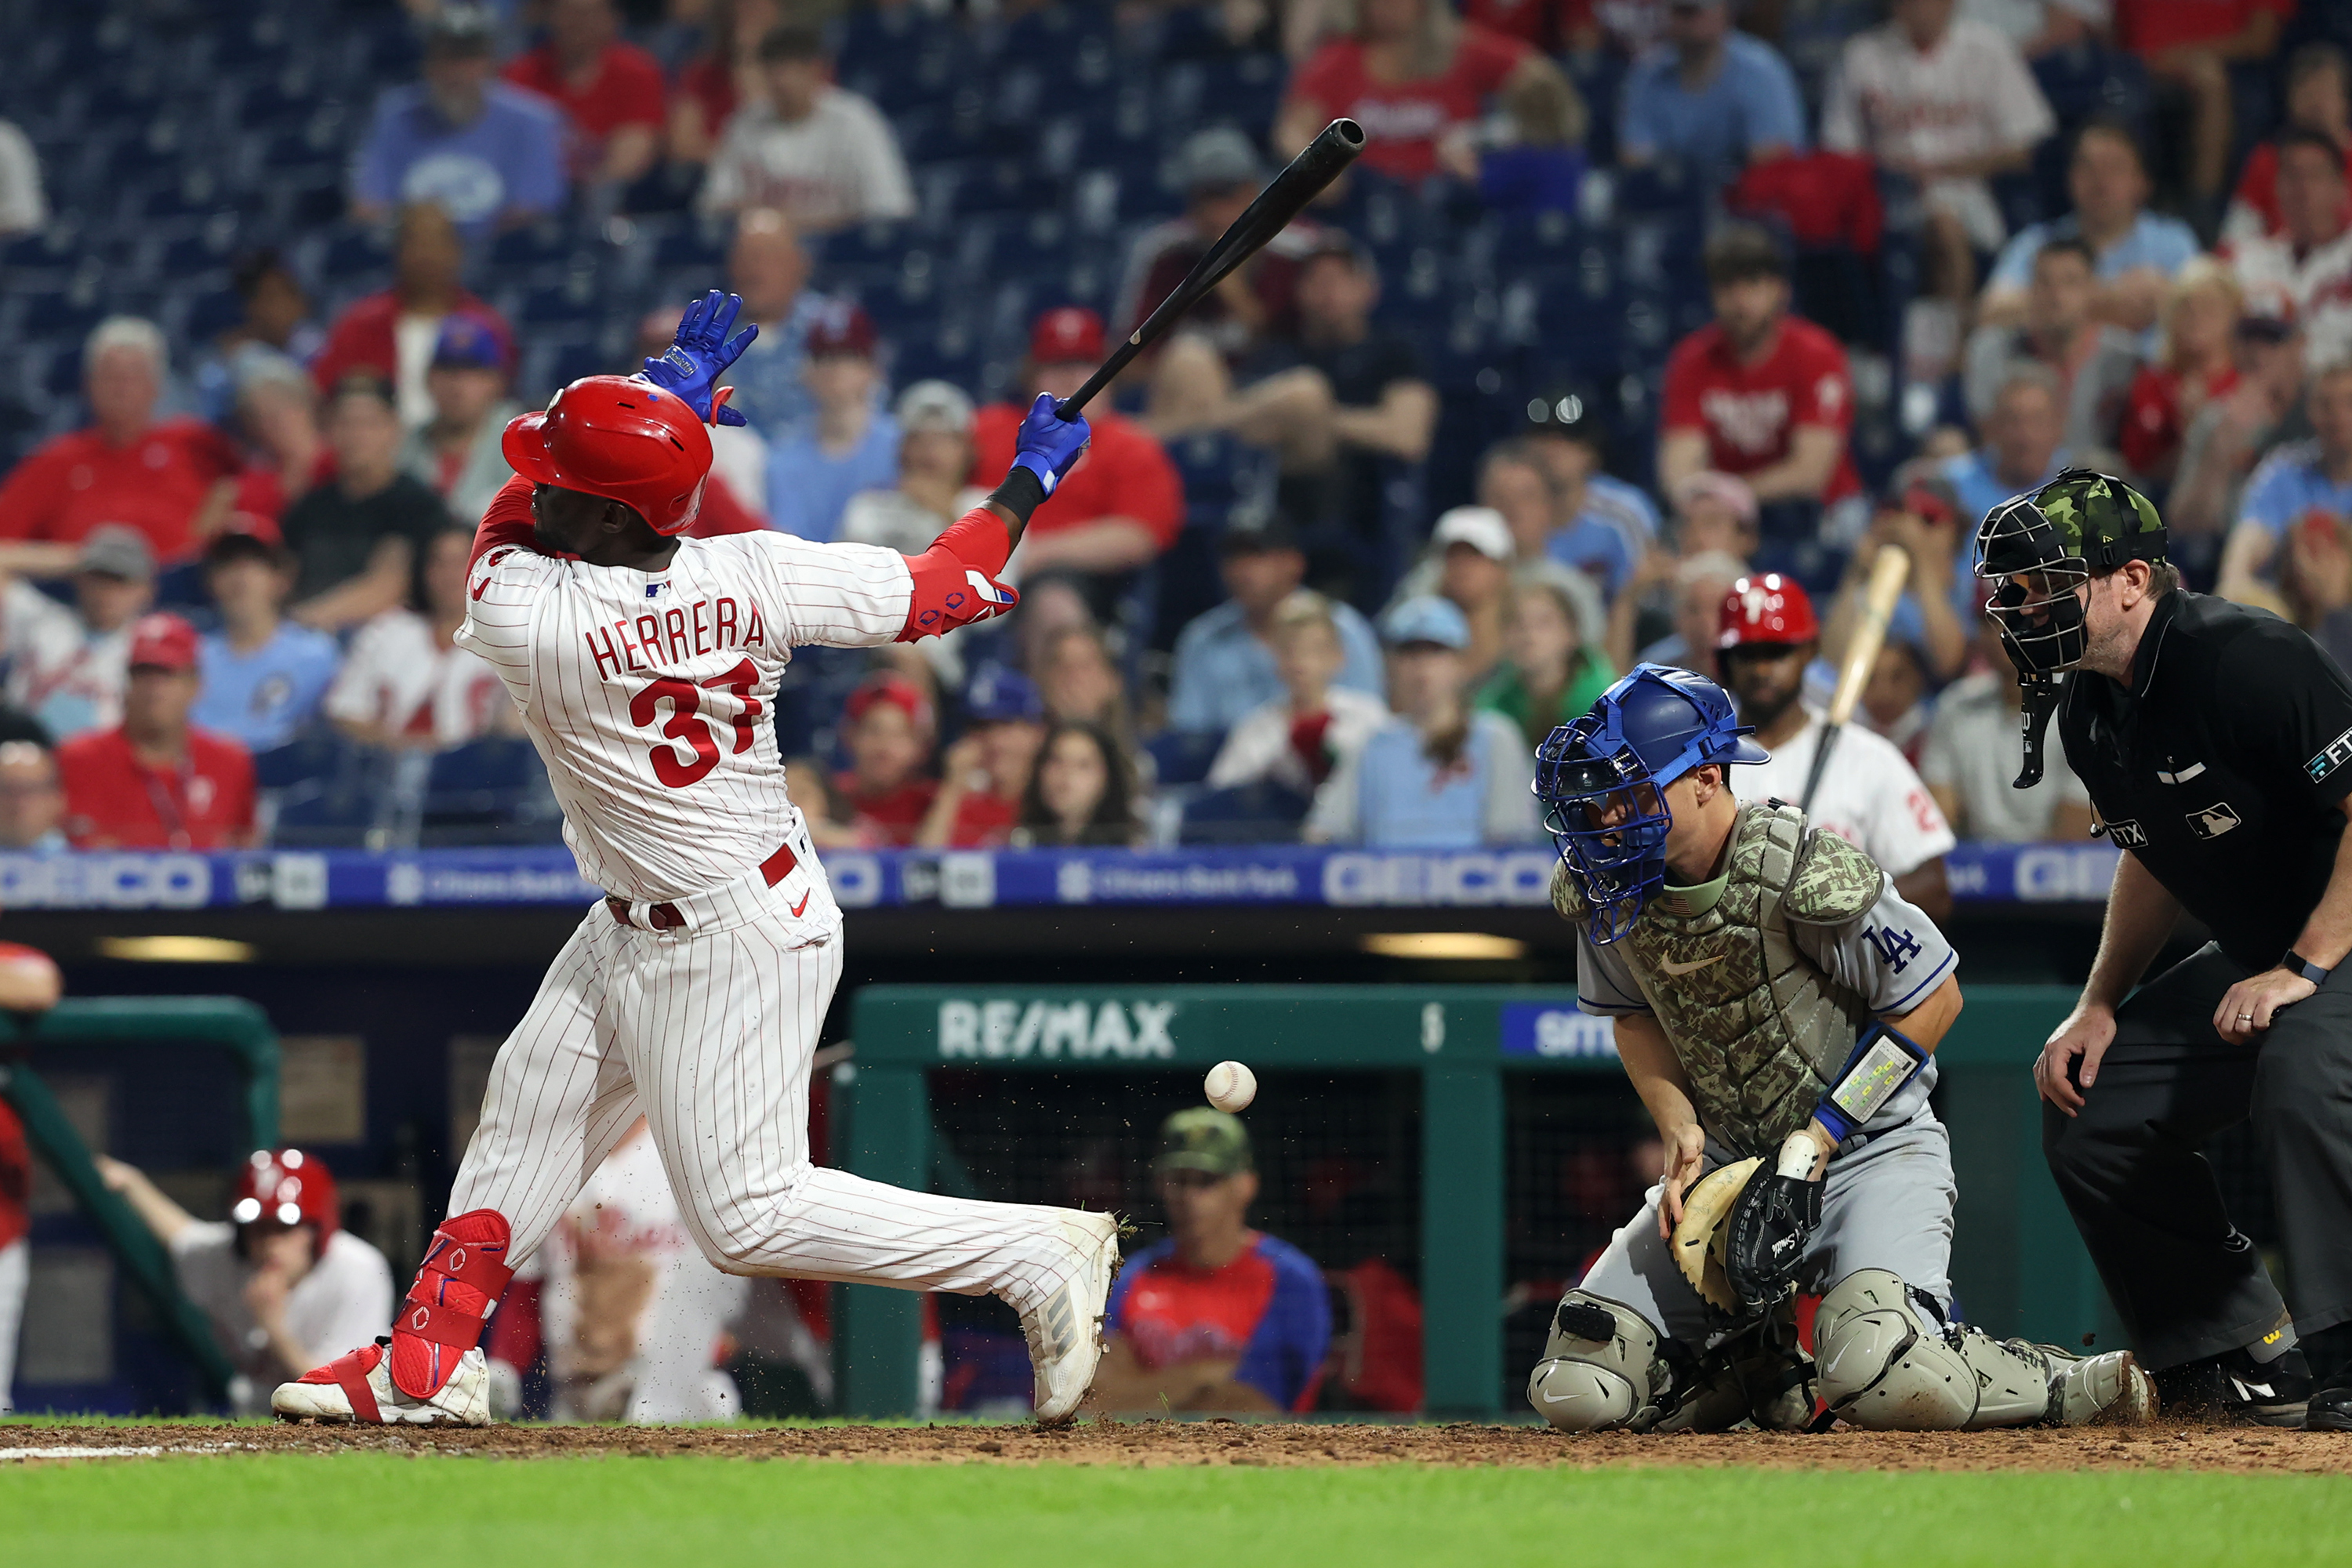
(653, 590)
(2213, 821)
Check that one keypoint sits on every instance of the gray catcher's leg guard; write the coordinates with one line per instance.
(1601, 1368)
(1888, 1361)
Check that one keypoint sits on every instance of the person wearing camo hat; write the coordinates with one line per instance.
(1217, 1315)
(2214, 741)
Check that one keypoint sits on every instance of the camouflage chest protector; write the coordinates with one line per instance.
(1758, 1029)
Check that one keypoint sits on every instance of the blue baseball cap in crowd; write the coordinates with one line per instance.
(1426, 619)
(469, 341)
(998, 695)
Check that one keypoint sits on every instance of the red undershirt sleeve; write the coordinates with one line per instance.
(506, 521)
(955, 580)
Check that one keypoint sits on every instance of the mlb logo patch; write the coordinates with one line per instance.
(653, 590)
(2213, 821)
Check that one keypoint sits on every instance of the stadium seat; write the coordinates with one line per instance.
(1183, 756)
(321, 790)
(491, 791)
(1260, 813)
(352, 250)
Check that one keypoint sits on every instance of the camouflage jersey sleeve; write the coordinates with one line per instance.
(1892, 956)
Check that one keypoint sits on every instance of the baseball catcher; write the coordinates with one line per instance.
(1777, 1006)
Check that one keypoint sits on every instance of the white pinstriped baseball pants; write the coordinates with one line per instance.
(710, 1034)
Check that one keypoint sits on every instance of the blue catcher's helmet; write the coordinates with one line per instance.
(1642, 734)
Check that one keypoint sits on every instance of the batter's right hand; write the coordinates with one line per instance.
(1686, 1162)
(2086, 1034)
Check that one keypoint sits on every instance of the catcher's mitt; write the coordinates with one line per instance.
(1703, 1238)
(1743, 1229)
(1772, 1221)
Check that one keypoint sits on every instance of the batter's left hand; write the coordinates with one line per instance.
(2254, 1001)
(1048, 444)
(702, 353)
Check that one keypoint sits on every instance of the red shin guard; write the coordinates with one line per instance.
(457, 1283)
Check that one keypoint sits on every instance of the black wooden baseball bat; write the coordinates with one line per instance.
(1331, 151)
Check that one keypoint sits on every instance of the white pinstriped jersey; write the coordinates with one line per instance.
(648, 693)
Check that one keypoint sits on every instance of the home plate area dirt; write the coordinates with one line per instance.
(1149, 1443)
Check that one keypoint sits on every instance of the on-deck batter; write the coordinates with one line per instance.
(644, 665)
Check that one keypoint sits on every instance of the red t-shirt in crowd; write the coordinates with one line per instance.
(1748, 412)
(1125, 473)
(2258, 186)
(2153, 427)
(366, 337)
(2149, 27)
(77, 482)
(891, 815)
(628, 89)
(983, 821)
(710, 82)
(1542, 25)
(1402, 119)
(115, 801)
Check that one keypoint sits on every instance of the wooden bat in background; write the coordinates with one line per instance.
(1887, 574)
(1334, 148)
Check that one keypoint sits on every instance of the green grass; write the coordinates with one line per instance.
(363, 1509)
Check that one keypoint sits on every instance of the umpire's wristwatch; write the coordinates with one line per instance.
(2295, 963)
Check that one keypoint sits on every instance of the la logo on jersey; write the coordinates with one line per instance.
(675, 634)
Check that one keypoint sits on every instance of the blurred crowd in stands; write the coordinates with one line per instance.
(1630, 308)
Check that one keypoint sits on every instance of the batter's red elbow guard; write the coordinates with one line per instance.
(464, 1273)
(955, 580)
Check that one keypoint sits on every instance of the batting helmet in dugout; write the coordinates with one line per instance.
(285, 1186)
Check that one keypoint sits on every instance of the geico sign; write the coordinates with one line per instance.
(105, 881)
(1507, 877)
(1078, 1031)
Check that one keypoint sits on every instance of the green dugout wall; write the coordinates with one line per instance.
(2017, 1263)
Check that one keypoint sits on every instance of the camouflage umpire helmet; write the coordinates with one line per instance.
(2037, 547)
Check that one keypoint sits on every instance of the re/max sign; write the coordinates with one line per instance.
(1078, 1031)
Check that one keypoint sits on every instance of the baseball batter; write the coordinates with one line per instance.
(1777, 1005)
(644, 665)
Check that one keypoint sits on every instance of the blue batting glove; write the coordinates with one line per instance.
(1048, 444)
(701, 355)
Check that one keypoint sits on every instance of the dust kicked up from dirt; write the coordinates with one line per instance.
(1150, 1444)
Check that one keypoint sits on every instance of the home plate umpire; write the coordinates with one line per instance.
(2216, 742)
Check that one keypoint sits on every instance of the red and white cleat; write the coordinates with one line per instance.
(1065, 1334)
(358, 1388)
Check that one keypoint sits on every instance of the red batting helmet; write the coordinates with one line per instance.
(621, 438)
(1767, 609)
(285, 1186)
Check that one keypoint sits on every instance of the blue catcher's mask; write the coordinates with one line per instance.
(1602, 779)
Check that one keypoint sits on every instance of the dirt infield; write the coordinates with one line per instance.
(1150, 1444)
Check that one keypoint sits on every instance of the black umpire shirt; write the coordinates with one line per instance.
(2222, 766)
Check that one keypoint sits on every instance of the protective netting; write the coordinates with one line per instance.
(1578, 1152)
(1339, 1160)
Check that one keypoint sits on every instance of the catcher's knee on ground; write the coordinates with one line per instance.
(1888, 1361)
(1600, 1367)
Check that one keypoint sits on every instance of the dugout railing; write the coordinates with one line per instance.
(226, 1023)
(2018, 1266)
